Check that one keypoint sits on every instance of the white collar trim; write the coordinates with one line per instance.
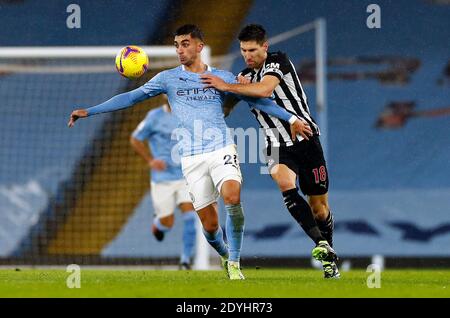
(208, 68)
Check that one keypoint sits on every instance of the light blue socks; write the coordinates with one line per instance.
(234, 230)
(216, 241)
(189, 219)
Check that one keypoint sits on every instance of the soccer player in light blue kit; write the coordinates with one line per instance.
(168, 187)
(209, 157)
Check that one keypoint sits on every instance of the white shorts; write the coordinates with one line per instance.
(205, 174)
(166, 196)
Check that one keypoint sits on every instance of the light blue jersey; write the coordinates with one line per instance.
(202, 126)
(199, 110)
(157, 129)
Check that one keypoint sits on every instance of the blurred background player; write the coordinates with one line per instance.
(209, 157)
(273, 74)
(168, 187)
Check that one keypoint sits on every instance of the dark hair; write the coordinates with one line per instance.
(253, 32)
(191, 29)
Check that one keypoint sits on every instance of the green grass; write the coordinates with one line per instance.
(269, 283)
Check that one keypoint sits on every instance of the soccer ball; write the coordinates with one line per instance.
(131, 62)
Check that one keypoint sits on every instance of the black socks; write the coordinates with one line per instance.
(301, 212)
(326, 228)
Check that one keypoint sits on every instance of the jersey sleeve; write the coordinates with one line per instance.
(269, 107)
(118, 102)
(155, 86)
(144, 130)
(228, 77)
(277, 65)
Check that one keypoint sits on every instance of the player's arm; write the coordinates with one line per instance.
(266, 105)
(231, 101)
(279, 66)
(141, 149)
(145, 152)
(117, 102)
(138, 139)
(153, 87)
(261, 89)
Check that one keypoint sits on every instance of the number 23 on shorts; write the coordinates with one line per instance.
(231, 160)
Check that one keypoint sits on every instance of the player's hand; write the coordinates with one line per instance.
(76, 114)
(214, 81)
(157, 164)
(301, 127)
(243, 80)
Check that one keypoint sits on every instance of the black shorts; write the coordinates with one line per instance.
(306, 159)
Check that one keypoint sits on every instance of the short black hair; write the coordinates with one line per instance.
(253, 32)
(191, 29)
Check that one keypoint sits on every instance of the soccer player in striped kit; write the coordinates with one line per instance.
(272, 74)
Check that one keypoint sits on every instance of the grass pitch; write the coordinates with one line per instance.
(270, 283)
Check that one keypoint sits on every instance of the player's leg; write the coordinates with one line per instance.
(285, 166)
(213, 233)
(163, 198)
(295, 203)
(164, 223)
(204, 195)
(209, 217)
(189, 217)
(314, 183)
(230, 191)
(227, 177)
(322, 214)
(324, 217)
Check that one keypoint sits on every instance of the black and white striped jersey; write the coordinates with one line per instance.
(289, 94)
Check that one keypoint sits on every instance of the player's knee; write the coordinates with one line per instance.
(210, 226)
(285, 185)
(285, 179)
(232, 198)
(231, 192)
